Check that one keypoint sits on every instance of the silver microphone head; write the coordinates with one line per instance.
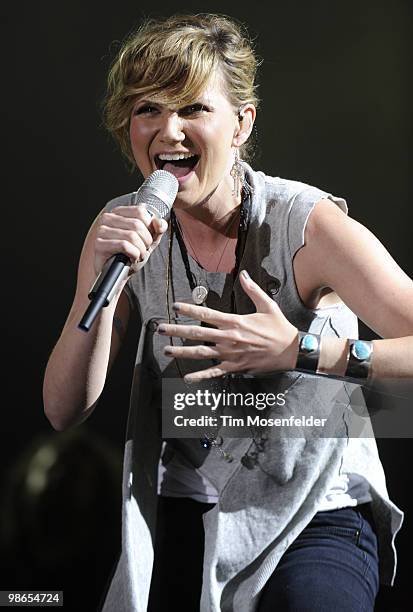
(157, 193)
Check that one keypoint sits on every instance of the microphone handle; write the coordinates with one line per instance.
(114, 271)
(117, 267)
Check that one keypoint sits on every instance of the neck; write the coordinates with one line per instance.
(210, 233)
(212, 215)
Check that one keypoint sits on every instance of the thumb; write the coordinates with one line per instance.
(158, 237)
(262, 301)
(159, 225)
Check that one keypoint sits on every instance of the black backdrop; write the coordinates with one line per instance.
(335, 113)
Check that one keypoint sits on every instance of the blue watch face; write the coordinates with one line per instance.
(361, 350)
(309, 343)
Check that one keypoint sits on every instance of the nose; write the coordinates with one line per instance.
(171, 128)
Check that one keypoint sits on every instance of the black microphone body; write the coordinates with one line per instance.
(157, 193)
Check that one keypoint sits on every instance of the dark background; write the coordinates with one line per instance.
(335, 113)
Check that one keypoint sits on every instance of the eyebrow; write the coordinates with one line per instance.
(161, 105)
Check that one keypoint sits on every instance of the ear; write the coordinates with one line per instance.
(246, 120)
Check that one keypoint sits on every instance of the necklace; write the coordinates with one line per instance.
(212, 439)
(200, 290)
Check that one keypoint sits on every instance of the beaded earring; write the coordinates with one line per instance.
(237, 174)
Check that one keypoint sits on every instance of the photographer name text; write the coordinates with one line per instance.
(248, 421)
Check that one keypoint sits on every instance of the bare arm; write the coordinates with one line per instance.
(338, 253)
(77, 368)
(342, 254)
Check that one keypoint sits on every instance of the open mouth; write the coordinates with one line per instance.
(176, 164)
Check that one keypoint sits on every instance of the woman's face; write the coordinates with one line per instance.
(202, 133)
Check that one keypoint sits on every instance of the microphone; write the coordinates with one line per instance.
(157, 193)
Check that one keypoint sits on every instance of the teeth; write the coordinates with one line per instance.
(174, 156)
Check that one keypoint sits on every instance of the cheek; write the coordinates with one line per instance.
(218, 135)
(218, 144)
(139, 137)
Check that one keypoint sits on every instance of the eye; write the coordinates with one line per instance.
(193, 109)
(145, 109)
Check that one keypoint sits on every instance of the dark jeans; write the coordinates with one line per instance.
(331, 567)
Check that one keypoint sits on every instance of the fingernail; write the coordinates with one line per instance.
(245, 275)
(167, 350)
(175, 306)
(161, 329)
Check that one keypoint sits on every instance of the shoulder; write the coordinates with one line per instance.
(306, 210)
(273, 187)
(335, 240)
(326, 219)
(346, 256)
(298, 196)
(288, 197)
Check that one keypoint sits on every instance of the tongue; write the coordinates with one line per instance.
(177, 170)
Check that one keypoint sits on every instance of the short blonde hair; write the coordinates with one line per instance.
(172, 60)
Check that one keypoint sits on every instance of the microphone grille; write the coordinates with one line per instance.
(157, 192)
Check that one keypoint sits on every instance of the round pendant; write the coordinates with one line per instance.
(249, 462)
(199, 294)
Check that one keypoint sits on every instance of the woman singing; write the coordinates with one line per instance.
(252, 280)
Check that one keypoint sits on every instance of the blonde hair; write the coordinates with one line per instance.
(172, 61)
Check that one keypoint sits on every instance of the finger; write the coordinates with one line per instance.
(135, 212)
(205, 314)
(114, 233)
(194, 332)
(262, 301)
(193, 352)
(155, 243)
(157, 235)
(127, 223)
(107, 248)
(214, 372)
(127, 229)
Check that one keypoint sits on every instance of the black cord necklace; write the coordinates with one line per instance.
(199, 292)
(211, 439)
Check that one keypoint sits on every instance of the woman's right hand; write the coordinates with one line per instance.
(130, 230)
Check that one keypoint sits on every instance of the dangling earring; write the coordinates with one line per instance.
(237, 174)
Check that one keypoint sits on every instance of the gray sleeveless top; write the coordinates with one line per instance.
(261, 510)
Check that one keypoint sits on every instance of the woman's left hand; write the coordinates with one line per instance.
(264, 341)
